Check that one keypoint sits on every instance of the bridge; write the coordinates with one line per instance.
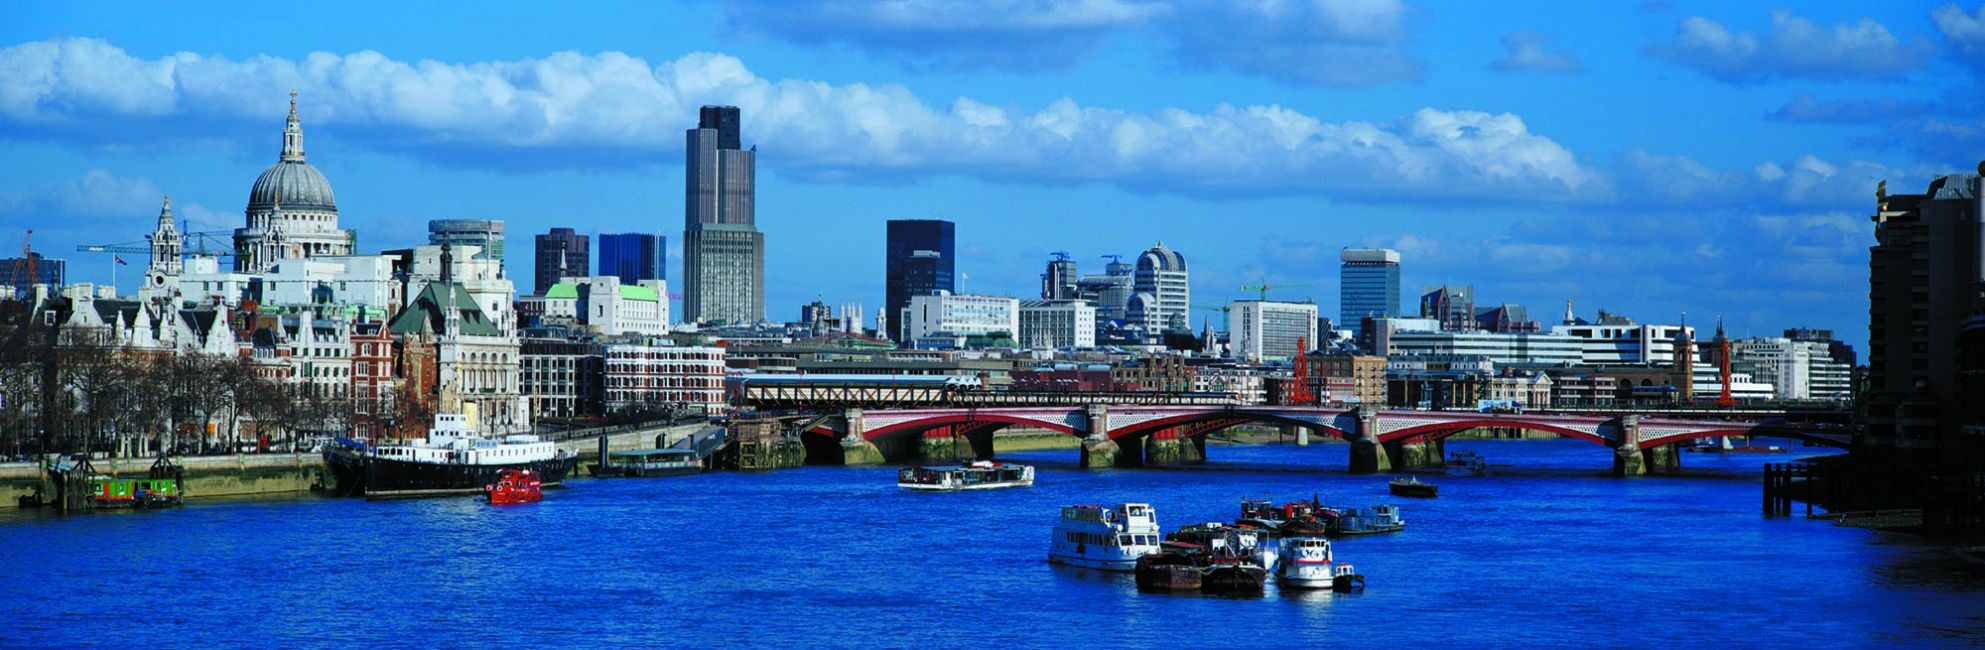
(1158, 434)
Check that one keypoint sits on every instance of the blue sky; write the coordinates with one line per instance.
(1651, 158)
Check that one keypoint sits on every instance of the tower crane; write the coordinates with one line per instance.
(196, 245)
(1264, 287)
(23, 278)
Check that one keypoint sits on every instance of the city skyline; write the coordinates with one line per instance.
(1494, 150)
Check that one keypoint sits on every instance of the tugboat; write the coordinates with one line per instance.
(453, 459)
(1466, 463)
(1107, 538)
(1307, 562)
(1407, 486)
(978, 475)
(515, 486)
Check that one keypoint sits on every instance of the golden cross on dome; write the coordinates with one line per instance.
(292, 101)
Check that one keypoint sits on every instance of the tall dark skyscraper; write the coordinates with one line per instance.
(723, 254)
(561, 253)
(921, 260)
(1369, 286)
(634, 256)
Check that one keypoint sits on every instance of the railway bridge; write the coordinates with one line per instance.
(1130, 435)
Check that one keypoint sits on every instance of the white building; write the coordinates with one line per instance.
(639, 375)
(943, 314)
(482, 278)
(1626, 343)
(355, 281)
(1796, 370)
(1162, 280)
(1499, 347)
(203, 280)
(1056, 324)
(1260, 330)
(603, 305)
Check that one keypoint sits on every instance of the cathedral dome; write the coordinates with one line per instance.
(292, 181)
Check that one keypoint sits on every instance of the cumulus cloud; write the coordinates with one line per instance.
(617, 104)
(1795, 48)
(1532, 51)
(1305, 42)
(1965, 31)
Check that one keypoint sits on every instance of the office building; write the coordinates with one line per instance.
(1262, 330)
(1368, 286)
(944, 320)
(1617, 340)
(920, 261)
(602, 305)
(20, 280)
(634, 256)
(1058, 283)
(484, 234)
(1161, 277)
(561, 253)
(1499, 347)
(723, 254)
(1924, 272)
(1057, 324)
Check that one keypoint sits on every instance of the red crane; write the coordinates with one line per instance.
(1301, 394)
(1723, 398)
(23, 278)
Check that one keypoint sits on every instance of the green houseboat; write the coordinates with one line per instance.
(110, 492)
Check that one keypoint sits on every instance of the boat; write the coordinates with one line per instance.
(1175, 568)
(978, 475)
(1722, 446)
(648, 462)
(1110, 538)
(1407, 486)
(108, 492)
(515, 486)
(1466, 463)
(1366, 521)
(1308, 563)
(1244, 538)
(452, 459)
(1234, 574)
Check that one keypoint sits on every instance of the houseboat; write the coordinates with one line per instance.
(110, 492)
(1407, 486)
(648, 462)
(452, 459)
(1466, 463)
(979, 475)
(1308, 563)
(1176, 568)
(1110, 538)
(1366, 521)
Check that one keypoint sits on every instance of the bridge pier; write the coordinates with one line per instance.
(1367, 455)
(1627, 459)
(1662, 459)
(940, 443)
(1173, 447)
(979, 441)
(1302, 434)
(855, 447)
(1099, 452)
(1416, 452)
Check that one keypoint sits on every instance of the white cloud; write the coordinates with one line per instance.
(1304, 42)
(1794, 48)
(1531, 51)
(1966, 31)
(1805, 181)
(623, 105)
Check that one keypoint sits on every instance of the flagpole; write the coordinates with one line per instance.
(113, 275)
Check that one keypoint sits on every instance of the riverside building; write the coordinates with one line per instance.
(1262, 330)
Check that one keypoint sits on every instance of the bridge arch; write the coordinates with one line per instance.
(1238, 417)
(1444, 429)
(940, 420)
(1768, 429)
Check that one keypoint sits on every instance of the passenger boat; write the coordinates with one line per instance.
(1407, 486)
(1466, 463)
(1308, 563)
(1366, 521)
(1108, 538)
(109, 492)
(453, 459)
(515, 486)
(978, 475)
(648, 462)
(1176, 568)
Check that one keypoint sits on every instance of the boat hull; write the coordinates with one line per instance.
(1423, 491)
(1234, 579)
(932, 487)
(622, 471)
(1123, 565)
(377, 478)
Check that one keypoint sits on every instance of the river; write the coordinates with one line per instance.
(1545, 551)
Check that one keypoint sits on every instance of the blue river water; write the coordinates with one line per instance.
(1545, 551)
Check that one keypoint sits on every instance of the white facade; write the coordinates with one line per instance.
(956, 315)
(203, 280)
(1161, 276)
(1500, 348)
(351, 281)
(640, 375)
(1626, 344)
(1261, 330)
(483, 278)
(1056, 324)
(603, 305)
(1796, 370)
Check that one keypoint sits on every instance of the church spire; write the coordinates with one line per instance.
(292, 134)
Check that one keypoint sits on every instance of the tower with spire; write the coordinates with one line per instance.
(161, 283)
(291, 210)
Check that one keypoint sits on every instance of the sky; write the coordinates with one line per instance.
(1717, 159)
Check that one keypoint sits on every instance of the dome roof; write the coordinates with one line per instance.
(297, 184)
(1160, 258)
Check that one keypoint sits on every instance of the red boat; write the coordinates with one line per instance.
(515, 486)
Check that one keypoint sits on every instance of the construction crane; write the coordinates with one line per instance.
(196, 245)
(1062, 256)
(1265, 287)
(1300, 393)
(23, 278)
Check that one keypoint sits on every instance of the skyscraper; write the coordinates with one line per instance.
(561, 253)
(1924, 273)
(1160, 285)
(920, 260)
(634, 256)
(484, 234)
(1059, 282)
(1369, 286)
(723, 254)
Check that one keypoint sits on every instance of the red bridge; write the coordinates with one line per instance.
(1133, 435)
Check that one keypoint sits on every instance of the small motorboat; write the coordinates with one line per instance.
(515, 486)
(1407, 486)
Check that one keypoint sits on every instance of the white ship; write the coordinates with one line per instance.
(453, 459)
(1307, 563)
(1108, 538)
(979, 475)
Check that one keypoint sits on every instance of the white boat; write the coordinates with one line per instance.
(1307, 563)
(979, 475)
(453, 459)
(1108, 538)
(1466, 463)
